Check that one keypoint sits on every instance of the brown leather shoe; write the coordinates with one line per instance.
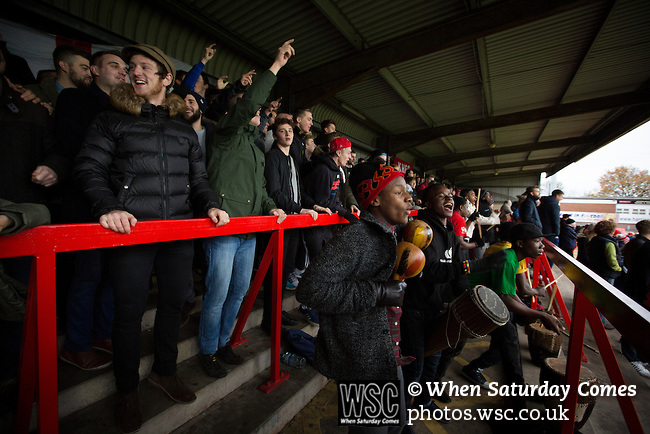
(90, 360)
(173, 387)
(128, 414)
(105, 345)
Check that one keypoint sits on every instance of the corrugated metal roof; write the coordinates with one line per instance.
(379, 21)
(538, 53)
(589, 49)
(620, 57)
(375, 99)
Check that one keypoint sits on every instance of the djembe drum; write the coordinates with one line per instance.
(542, 342)
(472, 315)
(554, 371)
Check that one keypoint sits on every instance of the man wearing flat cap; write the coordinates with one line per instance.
(140, 162)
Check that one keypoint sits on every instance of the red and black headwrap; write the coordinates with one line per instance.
(371, 179)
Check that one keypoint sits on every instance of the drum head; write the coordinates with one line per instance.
(491, 304)
(559, 367)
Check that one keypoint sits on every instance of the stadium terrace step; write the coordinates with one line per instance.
(82, 391)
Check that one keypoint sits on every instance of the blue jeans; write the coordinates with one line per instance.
(230, 266)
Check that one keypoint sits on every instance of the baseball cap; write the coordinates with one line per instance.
(339, 143)
(152, 52)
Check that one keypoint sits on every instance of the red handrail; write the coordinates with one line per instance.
(38, 372)
(632, 320)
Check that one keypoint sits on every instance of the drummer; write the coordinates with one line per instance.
(526, 239)
(443, 279)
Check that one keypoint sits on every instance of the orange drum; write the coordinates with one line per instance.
(472, 315)
(410, 261)
(419, 233)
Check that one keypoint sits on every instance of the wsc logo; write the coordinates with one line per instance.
(369, 403)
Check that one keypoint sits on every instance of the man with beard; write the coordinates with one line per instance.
(528, 209)
(195, 106)
(72, 71)
(141, 163)
(89, 304)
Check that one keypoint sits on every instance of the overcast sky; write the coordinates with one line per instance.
(581, 178)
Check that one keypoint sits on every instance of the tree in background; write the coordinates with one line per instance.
(624, 181)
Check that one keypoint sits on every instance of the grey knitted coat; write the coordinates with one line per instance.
(353, 341)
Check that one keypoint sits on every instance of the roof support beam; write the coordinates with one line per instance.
(452, 173)
(338, 20)
(558, 111)
(438, 162)
(477, 179)
(336, 17)
(326, 80)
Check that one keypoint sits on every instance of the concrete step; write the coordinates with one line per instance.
(79, 389)
(272, 411)
(161, 414)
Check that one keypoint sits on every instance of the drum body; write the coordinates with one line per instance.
(542, 342)
(472, 315)
(554, 371)
(419, 233)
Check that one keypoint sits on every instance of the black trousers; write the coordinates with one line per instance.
(504, 348)
(130, 271)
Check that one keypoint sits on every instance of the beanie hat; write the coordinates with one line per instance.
(183, 91)
(369, 179)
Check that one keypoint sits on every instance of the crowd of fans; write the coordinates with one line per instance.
(121, 136)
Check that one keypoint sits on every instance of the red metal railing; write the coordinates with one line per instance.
(632, 320)
(38, 371)
(38, 374)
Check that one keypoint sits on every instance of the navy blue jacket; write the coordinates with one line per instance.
(549, 215)
(528, 212)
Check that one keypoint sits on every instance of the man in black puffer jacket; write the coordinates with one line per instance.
(139, 163)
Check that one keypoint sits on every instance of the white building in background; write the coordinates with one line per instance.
(625, 212)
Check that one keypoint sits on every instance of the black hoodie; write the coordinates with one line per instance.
(440, 281)
(324, 183)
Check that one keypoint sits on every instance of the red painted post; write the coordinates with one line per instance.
(542, 266)
(276, 377)
(48, 403)
(611, 364)
(27, 373)
(576, 339)
(247, 307)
